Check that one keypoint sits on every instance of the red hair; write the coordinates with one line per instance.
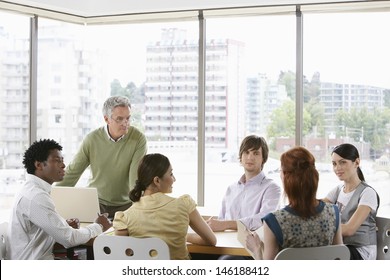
(300, 180)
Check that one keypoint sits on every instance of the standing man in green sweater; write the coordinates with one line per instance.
(113, 153)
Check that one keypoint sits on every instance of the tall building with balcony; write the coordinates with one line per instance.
(171, 106)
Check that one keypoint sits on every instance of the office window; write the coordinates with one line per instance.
(248, 85)
(14, 101)
(346, 90)
(149, 63)
(250, 89)
(71, 84)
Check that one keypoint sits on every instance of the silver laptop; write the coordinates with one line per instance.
(76, 202)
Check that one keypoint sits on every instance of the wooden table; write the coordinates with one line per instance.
(227, 244)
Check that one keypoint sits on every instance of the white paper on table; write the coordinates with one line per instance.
(242, 232)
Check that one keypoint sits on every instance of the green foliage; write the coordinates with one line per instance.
(387, 97)
(316, 111)
(288, 79)
(136, 96)
(283, 121)
(311, 93)
(372, 125)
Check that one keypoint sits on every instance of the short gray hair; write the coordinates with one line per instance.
(115, 101)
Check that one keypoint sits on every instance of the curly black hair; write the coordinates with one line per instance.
(39, 151)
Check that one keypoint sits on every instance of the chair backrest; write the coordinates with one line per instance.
(111, 247)
(3, 236)
(383, 238)
(330, 252)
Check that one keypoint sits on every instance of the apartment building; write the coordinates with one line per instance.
(70, 92)
(171, 105)
(263, 97)
(336, 96)
(14, 92)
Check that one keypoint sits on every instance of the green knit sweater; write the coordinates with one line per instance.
(113, 164)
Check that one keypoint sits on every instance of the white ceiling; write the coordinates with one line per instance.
(97, 8)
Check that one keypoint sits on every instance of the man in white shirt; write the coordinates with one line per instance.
(251, 197)
(35, 226)
(254, 195)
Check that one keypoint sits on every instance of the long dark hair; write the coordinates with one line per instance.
(300, 180)
(151, 165)
(350, 152)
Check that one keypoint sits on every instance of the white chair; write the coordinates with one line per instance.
(3, 237)
(111, 247)
(383, 238)
(330, 252)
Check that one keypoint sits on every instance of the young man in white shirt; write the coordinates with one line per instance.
(253, 196)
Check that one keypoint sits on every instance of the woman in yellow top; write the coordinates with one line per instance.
(155, 214)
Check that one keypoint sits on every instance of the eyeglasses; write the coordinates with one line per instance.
(121, 120)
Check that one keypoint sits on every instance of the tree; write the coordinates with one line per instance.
(311, 90)
(283, 121)
(368, 125)
(288, 80)
(311, 93)
(135, 95)
(386, 93)
(312, 105)
(117, 89)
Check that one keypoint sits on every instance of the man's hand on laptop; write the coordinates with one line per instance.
(74, 223)
(103, 220)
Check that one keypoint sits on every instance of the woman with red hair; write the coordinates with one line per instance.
(305, 221)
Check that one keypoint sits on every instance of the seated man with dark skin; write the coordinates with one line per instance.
(35, 226)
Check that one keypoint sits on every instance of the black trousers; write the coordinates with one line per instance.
(355, 255)
(111, 210)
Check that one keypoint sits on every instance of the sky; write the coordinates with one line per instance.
(344, 48)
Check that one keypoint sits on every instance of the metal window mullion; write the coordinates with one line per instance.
(201, 109)
(299, 79)
(33, 78)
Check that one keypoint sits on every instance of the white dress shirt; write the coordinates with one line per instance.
(35, 225)
(251, 200)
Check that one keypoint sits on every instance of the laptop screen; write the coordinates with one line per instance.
(76, 202)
